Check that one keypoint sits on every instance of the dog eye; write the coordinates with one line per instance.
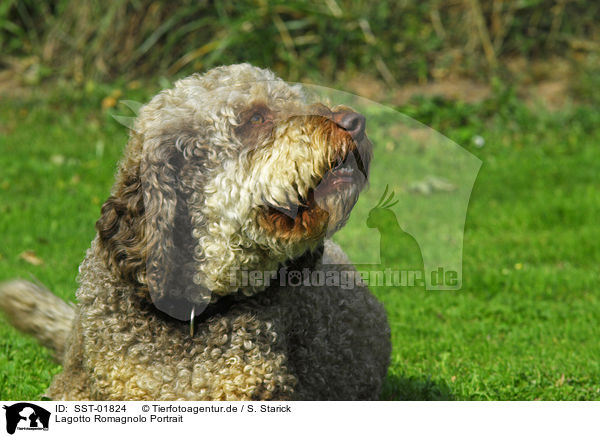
(257, 118)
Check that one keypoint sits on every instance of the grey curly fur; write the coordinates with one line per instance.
(199, 194)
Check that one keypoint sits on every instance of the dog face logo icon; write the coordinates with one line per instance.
(26, 416)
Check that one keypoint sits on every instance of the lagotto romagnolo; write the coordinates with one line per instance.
(229, 171)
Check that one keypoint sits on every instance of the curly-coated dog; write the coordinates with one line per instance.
(229, 175)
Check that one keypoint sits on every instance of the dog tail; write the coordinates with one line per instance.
(35, 310)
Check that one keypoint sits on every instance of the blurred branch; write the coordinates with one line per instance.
(557, 14)
(436, 21)
(195, 54)
(484, 35)
(502, 22)
(381, 66)
(583, 45)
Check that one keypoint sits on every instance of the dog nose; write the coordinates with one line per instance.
(352, 122)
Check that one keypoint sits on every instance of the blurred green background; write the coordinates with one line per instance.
(320, 40)
(517, 83)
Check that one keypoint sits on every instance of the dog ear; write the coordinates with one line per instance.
(145, 228)
(121, 226)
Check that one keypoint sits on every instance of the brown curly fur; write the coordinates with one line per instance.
(159, 242)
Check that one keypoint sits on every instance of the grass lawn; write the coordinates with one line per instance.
(524, 326)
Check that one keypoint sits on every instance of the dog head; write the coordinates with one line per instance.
(229, 170)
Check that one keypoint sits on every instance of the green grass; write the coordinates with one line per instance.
(57, 158)
(524, 326)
